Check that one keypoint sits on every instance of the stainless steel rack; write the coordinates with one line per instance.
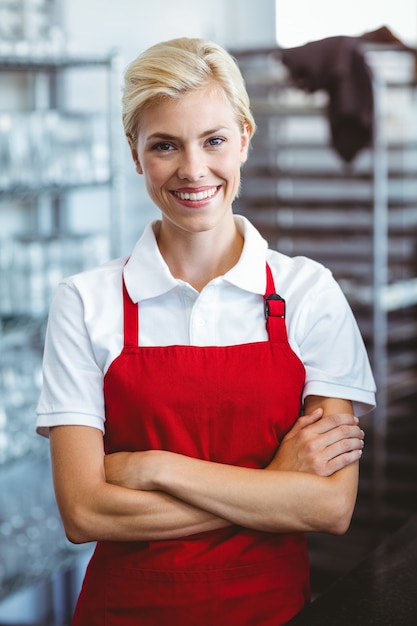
(49, 151)
(359, 219)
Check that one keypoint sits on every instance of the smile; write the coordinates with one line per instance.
(195, 196)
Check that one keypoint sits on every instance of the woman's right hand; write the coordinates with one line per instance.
(320, 445)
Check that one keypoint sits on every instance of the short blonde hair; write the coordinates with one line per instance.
(172, 68)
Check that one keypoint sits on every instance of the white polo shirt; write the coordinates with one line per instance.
(85, 327)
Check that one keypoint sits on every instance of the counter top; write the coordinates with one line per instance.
(380, 591)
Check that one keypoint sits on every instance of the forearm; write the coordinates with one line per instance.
(287, 496)
(310, 485)
(112, 513)
(94, 510)
(273, 501)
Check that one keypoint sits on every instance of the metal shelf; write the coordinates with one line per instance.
(318, 173)
(50, 63)
(24, 191)
(358, 219)
(33, 545)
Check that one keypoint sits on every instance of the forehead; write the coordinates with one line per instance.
(206, 107)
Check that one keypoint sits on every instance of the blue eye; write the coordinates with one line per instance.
(216, 141)
(163, 146)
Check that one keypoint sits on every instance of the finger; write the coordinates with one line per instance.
(343, 460)
(335, 420)
(342, 434)
(309, 418)
(303, 421)
(337, 441)
(345, 446)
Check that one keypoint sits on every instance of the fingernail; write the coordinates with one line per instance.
(356, 419)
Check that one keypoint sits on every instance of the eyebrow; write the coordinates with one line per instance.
(167, 137)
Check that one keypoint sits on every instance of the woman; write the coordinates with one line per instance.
(205, 481)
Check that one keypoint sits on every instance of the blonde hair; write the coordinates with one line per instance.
(172, 68)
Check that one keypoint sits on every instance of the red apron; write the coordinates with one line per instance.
(230, 404)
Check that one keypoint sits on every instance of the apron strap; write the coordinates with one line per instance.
(131, 320)
(274, 307)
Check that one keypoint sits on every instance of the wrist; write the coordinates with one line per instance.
(160, 468)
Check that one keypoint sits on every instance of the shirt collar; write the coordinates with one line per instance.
(147, 275)
(249, 272)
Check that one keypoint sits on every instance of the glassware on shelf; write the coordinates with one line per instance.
(10, 24)
(46, 149)
(20, 382)
(6, 255)
(32, 266)
(30, 28)
(47, 159)
(32, 538)
(5, 151)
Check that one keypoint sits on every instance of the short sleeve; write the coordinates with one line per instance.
(72, 390)
(332, 349)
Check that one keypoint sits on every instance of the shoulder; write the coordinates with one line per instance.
(107, 273)
(89, 298)
(97, 285)
(299, 276)
(312, 294)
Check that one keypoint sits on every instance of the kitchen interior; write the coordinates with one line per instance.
(70, 200)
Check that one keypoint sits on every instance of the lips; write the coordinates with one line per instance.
(196, 196)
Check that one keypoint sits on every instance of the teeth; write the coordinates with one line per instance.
(200, 195)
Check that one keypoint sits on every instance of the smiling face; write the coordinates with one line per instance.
(190, 151)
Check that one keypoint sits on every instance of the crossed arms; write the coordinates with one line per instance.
(310, 485)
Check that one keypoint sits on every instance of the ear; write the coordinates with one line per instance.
(135, 156)
(244, 145)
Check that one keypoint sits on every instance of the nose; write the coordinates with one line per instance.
(192, 165)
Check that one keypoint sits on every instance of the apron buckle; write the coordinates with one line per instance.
(274, 305)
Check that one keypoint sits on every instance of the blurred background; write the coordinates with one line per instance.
(338, 186)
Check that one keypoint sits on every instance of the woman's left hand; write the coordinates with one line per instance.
(320, 444)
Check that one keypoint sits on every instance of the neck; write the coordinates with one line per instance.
(198, 258)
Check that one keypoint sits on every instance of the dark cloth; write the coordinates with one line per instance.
(338, 65)
(385, 36)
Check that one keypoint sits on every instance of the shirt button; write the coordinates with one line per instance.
(199, 321)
